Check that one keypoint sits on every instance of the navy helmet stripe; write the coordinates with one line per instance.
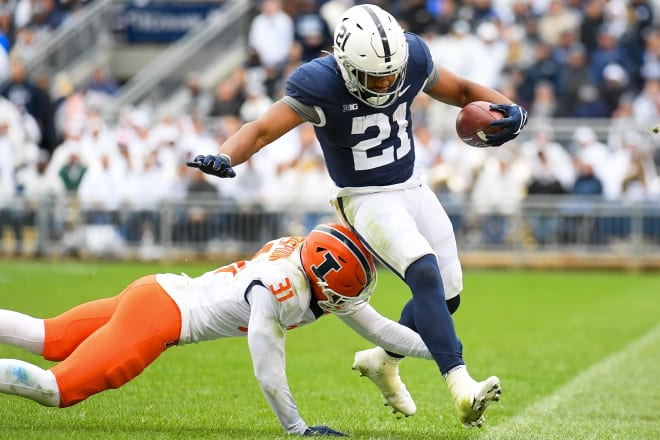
(381, 31)
(350, 245)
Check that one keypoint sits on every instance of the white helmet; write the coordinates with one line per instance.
(369, 41)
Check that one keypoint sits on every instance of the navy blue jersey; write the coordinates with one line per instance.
(362, 145)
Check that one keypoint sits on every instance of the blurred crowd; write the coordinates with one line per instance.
(558, 58)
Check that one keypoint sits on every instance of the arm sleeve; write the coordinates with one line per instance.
(266, 339)
(382, 331)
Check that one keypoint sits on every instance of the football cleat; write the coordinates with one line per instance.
(472, 398)
(383, 370)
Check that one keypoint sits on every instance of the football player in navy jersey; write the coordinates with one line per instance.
(359, 102)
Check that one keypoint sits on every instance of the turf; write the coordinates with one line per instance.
(577, 353)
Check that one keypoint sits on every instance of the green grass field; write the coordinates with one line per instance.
(578, 354)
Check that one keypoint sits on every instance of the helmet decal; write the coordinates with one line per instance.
(357, 252)
(329, 264)
(381, 32)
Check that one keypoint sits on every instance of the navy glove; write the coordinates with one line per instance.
(515, 118)
(322, 430)
(217, 165)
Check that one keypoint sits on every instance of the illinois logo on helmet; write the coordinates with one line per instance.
(341, 270)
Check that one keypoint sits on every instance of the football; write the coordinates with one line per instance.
(473, 123)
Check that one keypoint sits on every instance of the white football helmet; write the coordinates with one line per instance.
(369, 41)
(341, 270)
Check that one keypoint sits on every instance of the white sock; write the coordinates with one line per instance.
(22, 331)
(459, 381)
(27, 380)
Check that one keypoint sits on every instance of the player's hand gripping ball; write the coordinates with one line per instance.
(473, 123)
(483, 124)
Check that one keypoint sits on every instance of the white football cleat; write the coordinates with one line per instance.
(383, 370)
(471, 397)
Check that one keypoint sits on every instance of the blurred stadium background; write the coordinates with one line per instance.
(103, 101)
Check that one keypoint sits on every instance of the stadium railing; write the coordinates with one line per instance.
(557, 231)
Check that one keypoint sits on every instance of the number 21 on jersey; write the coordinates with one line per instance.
(388, 155)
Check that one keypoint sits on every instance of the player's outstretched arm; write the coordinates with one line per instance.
(382, 331)
(250, 138)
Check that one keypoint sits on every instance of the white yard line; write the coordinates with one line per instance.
(550, 410)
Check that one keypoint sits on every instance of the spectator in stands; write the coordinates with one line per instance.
(5, 45)
(646, 104)
(490, 47)
(99, 193)
(556, 20)
(141, 208)
(633, 164)
(550, 164)
(331, 10)
(480, 11)
(416, 16)
(578, 97)
(650, 61)
(593, 18)
(73, 144)
(544, 103)
(506, 177)
(586, 182)
(543, 68)
(608, 51)
(26, 44)
(270, 40)
(72, 173)
(616, 83)
(256, 101)
(11, 214)
(589, 150)
(449, 49)
(48, 15)
(198, 100)
(22, 13)
(43, 196)
(48, 139)
(302, 179)
(311, 32)
(27, 97)
(102, 81)
(199, 224)
(68, 104)
(7, 26)
(227, 98)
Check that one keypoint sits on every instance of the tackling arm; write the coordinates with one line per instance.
(266, 339)
(382, 331)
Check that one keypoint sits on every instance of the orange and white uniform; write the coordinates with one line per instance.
(105, 343)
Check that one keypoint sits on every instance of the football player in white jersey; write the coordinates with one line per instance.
(359, 101)
(292, 281)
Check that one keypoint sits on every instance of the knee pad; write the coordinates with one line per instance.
(423, 272)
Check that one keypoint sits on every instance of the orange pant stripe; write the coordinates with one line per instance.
(145, 321)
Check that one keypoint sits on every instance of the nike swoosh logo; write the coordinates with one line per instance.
(404, 90)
